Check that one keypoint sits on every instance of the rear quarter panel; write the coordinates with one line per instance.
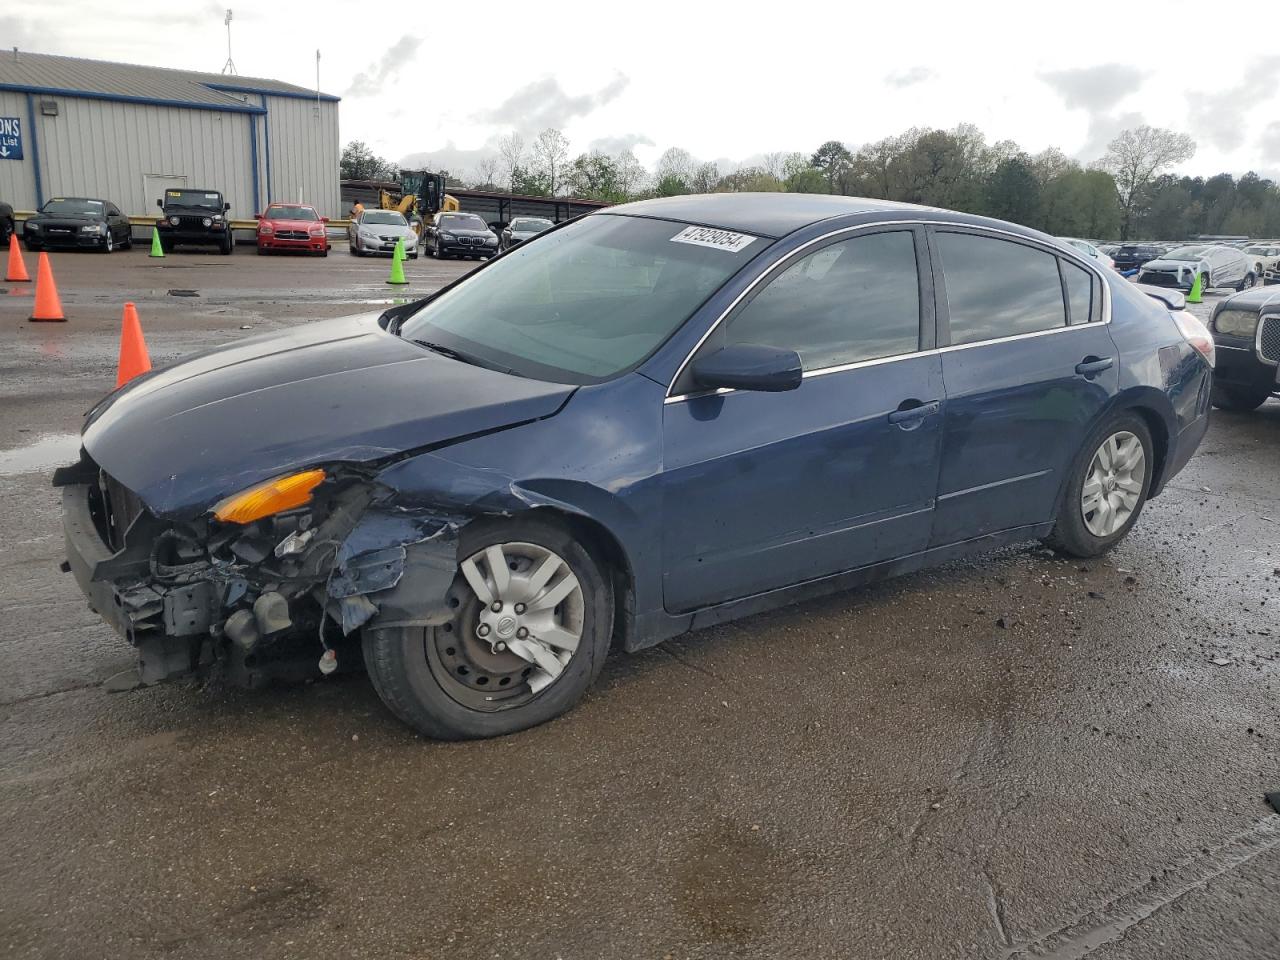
(1160, 374)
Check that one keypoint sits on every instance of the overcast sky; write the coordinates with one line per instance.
(726, 81)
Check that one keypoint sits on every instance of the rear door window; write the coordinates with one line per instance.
(856, 299)
(997, 288)
(1080, 292)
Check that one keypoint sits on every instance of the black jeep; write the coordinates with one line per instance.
(197, 217)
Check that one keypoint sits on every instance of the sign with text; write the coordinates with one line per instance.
(10, 138)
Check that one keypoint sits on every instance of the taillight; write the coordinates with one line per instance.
(1195, 333)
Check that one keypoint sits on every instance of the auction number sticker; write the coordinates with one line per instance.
(709, 237)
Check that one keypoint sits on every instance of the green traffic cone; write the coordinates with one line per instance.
(397, 265)
(1194, 295)
(156, 249)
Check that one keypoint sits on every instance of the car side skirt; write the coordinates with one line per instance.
(654, 628)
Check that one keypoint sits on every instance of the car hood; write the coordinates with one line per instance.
(387, 229)
(525, 234)
(344, 390)
(303, 225)
(1254, 299)
(1171, 265)
(465, 232)
(45, 218)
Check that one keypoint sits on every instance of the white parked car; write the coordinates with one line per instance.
(1265, 256)
(1217, 266)
(1089, 250)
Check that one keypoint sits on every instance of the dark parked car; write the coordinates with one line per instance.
(665, 415)
(461, 235)
(1133, 255)
(77, 223)
(196, 218)
(521, 229)
(1248, 348)
(6, 223)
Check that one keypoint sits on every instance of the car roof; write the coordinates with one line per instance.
(764, 214)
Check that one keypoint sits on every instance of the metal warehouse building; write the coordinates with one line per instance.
(124, 133)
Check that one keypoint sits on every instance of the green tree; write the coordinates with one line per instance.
(594, 176)
(806, 180)
(670, 186)
(835, 161)
(1135, 157)
(359, 162)
(1013, 192)
(529, 182)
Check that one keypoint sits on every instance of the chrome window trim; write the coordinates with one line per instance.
(1075, 257)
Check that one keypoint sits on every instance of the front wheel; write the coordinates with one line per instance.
(1107, 489)
(108, 242)
(1243, 399)
(532, 622)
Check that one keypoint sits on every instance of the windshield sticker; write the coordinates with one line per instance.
(173, 193)
(211, 196)
(709, 237)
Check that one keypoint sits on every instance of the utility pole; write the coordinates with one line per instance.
(315, 111)
(230, 65)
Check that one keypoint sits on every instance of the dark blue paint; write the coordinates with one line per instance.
(718, 505)
(253, 163)
(266, 144)
(287, 94)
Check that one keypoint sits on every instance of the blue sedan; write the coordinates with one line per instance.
(664, 415)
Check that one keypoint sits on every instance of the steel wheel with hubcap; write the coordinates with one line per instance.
(1107, 489)
(532, 618)
(1114, 483)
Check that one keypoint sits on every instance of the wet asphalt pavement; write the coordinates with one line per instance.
(1016, 756)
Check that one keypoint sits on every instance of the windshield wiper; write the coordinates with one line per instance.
(453, 354)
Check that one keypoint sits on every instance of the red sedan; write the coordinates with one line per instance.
(292, 226)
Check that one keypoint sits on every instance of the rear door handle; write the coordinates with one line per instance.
(1090, 367)
(915, 413)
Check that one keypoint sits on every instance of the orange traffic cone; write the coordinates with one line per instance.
(134, 360)
(48, 306)
(17, 272)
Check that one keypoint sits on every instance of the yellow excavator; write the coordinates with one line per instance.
(420, 197)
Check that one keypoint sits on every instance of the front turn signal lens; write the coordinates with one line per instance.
(282, 493)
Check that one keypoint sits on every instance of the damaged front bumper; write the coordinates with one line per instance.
(260, 601)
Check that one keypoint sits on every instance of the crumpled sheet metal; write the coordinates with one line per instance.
(375, 558)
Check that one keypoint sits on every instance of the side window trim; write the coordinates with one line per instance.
(925, 293)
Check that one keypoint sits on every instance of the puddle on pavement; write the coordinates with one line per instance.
(54, 450)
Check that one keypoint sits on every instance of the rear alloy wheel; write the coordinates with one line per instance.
(533, 618)
(1243, 399)
(1248, 282)
(1107, 490)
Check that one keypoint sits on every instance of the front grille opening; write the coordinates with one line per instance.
(115, 510)
(1269, 339)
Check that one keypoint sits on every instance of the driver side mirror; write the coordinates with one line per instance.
(160, 203)
(226, 207)
(324, 219)
(749, 366)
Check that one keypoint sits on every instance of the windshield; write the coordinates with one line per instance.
(585, 303)
(1259, 249)
(60, 207)
(462, 221)
(528, 225)
(280, 211)
(383, 216)
(1185, 253)
(193, 198)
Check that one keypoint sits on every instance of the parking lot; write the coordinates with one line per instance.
(1017, 756)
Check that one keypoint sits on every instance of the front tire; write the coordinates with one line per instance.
(1109, 483)
(451, 683)
(1242, 399)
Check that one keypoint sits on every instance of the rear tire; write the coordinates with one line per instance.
(1247, 283)
(229, 245)
(1071, 534)
(1242, 399)
(411, 673)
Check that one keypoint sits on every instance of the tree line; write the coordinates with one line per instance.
(1126, 194)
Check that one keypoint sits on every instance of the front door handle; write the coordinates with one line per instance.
(914, 413)
(1090, 367)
